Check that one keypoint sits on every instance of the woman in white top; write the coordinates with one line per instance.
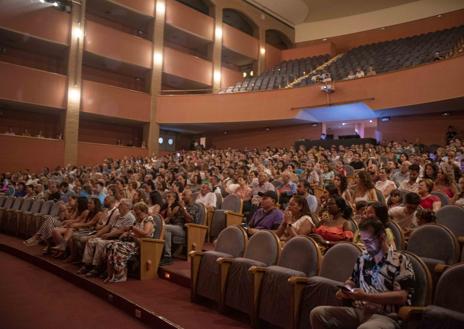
(297, 219)
(385, 185)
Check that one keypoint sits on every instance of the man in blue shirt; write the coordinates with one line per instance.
(268, 216)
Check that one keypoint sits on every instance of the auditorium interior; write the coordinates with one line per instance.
(231, 164)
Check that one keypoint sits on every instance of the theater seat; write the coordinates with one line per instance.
(236, 281)
(300, 257)
(7, 205)
(31, 219)
(398, 235)
(9, 214)
(22, 218)
(436, 245)
(195, 233)
(308, 293)
(13, 219)
(447, 310)
(231, 242)
(229, 214)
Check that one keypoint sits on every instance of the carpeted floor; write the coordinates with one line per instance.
(33, 298)
(164, 298)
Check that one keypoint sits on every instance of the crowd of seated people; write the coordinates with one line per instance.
(107, 207)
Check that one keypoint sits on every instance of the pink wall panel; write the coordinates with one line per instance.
(229, 77)
(190, 20)
(113, 101)
(322, 48)
(272, 57)
(30, 153)
(93, 153)
(108, 42)
(28, 85)
(239, 42)
(35, 19)
(260, 138)
(382, 91)
(187, 66)
(146, 7)
(410, 127)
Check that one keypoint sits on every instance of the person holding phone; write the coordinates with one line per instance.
(381, 282)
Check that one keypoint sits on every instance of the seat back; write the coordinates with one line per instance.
(398, 235)
(232, 241)
(233, 203)
(338, 262)
(26, 204)
(449, 292)
(45, 210)
(218, 200)
(159, 227)
(443, 197)
(436, 242)
(264, 246)
(423, 284)
(380, 197)
(9, 202)
(55, 208)
(2, 200)
(202, 217)
(17, 203)
(453, 218)
(36, 205)
(301, 254)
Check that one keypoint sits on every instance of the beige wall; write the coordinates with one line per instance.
(375, 20)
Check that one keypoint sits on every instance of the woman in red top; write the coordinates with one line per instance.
(428, 201)
(338, 228)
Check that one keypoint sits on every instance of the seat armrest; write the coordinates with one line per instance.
(461, 239)
(440, 268)
(233, 213)
(196, 226)
(298, 280)
(222, 260)
(257, 269)
(196, 253)
(408, 312)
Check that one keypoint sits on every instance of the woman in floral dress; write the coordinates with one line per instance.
(120, 251)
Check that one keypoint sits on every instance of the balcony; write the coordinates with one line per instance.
(110, 101)
(36, 20)
(116, 45)
(27, 85)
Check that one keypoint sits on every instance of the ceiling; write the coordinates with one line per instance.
(299, 11)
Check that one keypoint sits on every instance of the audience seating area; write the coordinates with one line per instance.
(280, 76)
(383, 57)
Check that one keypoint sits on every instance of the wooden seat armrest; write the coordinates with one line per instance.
(257, 269)
(233, 213)
(196, 253)
(298, 280)
(222, 260)
(196, 226)
(461, 239)
(440, 268)
(407, 312)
